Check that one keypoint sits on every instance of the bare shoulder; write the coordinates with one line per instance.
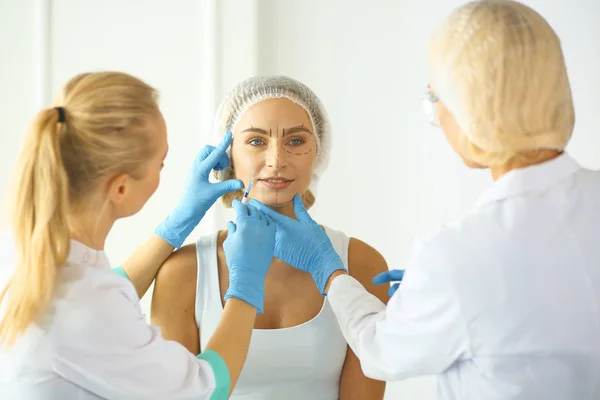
(175, 286)
(181, 266)
(364, 262)
(175, 283)
(173, 298)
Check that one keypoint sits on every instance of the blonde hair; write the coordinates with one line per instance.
(498, 66)
(103, 131)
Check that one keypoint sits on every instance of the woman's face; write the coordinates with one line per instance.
(275, 142)
(129, 194)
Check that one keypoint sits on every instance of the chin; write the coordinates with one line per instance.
(275, 206)
(278, 200)
(271, 203)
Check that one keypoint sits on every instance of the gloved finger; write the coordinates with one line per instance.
(204, 152)
(222, 163)
(240, 209)
(265, 220)
(252, 211)
(270, 221)
(301, 212)
(230, 185)
(393, 289)
(388, 276)
(231, 227)
(275, 216)
(217, 156)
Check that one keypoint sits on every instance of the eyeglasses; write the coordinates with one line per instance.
(429, 101)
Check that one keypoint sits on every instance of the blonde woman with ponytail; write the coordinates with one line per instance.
(70, 326)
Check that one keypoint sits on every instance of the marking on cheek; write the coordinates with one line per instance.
(299, 154)
(270, 133)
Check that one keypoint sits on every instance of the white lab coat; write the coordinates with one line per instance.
(502, 304)
(93, 342)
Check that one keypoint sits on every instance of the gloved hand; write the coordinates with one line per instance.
(304, 244)
(199, 194)
(394, 275)
(249, 251)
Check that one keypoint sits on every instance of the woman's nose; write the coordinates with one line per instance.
(275, 155)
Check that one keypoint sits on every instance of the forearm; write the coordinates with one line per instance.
(358, 313)
(231, 339)
(143, 265)
(363, 389)
(353, 383)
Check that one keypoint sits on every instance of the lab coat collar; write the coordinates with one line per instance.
(82, 255)
(535, 178)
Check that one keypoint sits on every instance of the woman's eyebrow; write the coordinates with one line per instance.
(256, 130)
(296, 129)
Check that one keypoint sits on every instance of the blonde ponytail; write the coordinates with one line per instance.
(61, 162)
(39, 221)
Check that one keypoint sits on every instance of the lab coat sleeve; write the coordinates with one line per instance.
(106, 347)
(420, 332)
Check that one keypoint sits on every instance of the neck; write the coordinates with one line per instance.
(526, 159)
(90, 228)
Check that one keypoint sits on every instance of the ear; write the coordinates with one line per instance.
(118, 188)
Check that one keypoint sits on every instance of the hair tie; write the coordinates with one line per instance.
(61, 114)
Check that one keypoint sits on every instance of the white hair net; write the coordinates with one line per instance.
(256, 89)
(499, 68)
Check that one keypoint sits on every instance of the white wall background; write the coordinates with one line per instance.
(391, 176)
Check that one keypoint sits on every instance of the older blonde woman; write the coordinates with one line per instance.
(502, 303)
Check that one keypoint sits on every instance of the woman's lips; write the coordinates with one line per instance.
(276, 182)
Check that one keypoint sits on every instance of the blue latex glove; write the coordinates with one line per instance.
(304, 244)
(394, 275)
(199, 194)
(249, 251)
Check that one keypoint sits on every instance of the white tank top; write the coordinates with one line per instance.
(300, 362)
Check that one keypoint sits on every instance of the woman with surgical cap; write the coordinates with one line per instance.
(281, 143)
(503, 303)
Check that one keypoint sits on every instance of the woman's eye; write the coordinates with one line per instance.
(255, 142)
(296, 142)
